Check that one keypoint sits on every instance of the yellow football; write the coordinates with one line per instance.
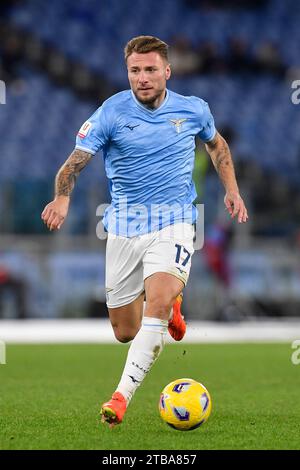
(185, 404)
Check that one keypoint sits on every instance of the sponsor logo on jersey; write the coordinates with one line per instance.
(83, 131)
(131, 127)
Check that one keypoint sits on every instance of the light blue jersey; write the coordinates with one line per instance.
(149, 159)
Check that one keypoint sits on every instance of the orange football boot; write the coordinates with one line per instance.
(177, 325)
(112, 412)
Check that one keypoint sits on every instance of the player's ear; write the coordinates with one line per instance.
(168, 72)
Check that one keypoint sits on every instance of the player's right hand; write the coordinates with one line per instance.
(55, 212)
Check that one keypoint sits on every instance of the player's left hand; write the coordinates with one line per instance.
(236, 206)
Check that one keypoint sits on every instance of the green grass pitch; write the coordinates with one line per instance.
(50, 396)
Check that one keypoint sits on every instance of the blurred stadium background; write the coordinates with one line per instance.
(61, 59)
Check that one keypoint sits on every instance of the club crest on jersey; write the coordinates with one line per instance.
(178, 124)
(83, 131)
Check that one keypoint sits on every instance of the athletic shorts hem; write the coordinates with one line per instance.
(183, 279)
(122, 304)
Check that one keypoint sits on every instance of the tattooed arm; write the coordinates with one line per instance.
(56, 211)
(219, 152)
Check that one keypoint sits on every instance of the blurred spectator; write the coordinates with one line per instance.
(207, 4)
(17, 287)
(6, 5)
(216, 246)
(268, 59)
(239, 60)
(183, 58)
(34, 50)
(216, 252)
(274, 213)
(210, 60)
(292, 73)
(57, 66)
(10, 56)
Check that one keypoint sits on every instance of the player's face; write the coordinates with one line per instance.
(147, 74)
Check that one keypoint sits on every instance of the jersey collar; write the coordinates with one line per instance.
(140, 105)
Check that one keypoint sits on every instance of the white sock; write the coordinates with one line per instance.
(143, 351)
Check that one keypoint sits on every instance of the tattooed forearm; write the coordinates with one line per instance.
(219, 152)
(66, 176)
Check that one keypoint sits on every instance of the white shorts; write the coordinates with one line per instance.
(129, 261)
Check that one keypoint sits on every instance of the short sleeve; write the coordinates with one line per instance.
(94, 133)
(208, 130)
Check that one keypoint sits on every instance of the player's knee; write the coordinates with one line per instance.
(124, 336)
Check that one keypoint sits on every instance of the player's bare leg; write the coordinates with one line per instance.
(126, 320)
(162, 290)
(156, 289)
